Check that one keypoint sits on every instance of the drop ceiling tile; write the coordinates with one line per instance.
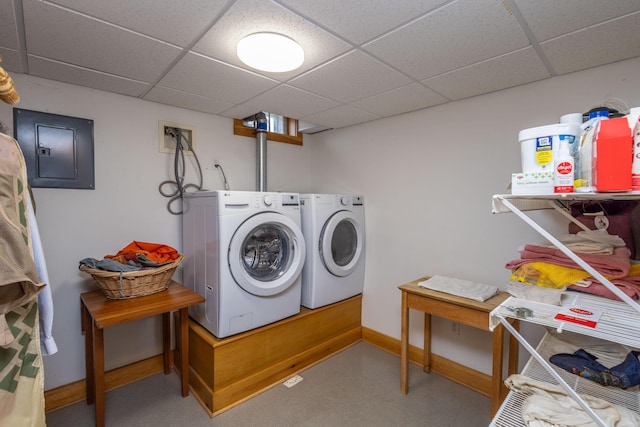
(239, 112)
(251, 16)
(189, 101)
(64, 36)
(167, 20)
(552, 18)
(402, 100)
(610, 42)
(8, 33)
(521, 67)
(11, 60)
(290, 102)
(352, 77)
(368, 57)
(361, 20)
(457, 35)
(213, 79)
(310, 128)
(59, 71)
(340, 117)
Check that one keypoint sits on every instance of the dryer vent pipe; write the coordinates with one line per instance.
(261, 151)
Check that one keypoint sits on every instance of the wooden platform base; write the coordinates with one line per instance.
(225, 372)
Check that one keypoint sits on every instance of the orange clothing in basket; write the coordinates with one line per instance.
(155, 252)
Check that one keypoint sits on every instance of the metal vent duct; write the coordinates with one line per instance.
(261, 151)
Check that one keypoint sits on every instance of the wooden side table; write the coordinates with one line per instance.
(99, 312)
(462, 310)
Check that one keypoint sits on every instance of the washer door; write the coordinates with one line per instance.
(341, 243)
(266, 254)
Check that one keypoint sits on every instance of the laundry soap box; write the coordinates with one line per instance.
(528, 183)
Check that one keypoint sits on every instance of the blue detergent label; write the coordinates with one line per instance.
(544, 150)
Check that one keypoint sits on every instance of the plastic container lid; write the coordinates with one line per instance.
(549, 130)
(575, 118)
(599, 113)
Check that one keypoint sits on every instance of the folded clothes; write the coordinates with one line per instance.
(109, 265)
(548, 275)
(535, 293)
(627, 285)
(590, 242)
(462, 288)
(615, 266)
(584, 364)
(602, 236)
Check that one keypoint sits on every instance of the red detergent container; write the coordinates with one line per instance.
(612, 155)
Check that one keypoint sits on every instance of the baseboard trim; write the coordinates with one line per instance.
(75, 392)
(391, 345)
(461, 374)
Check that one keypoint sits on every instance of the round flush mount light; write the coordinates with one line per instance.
(270, 52)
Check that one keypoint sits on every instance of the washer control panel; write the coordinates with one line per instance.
(290, 199)
(276, 200)
(344, 201)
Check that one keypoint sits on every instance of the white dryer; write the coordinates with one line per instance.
(244, 252)
(333, 228)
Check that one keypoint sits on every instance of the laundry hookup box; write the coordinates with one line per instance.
(527, 183)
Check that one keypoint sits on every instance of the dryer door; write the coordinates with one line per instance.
(266, 254)
(341, 243)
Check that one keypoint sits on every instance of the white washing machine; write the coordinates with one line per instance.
(333, 228)
(244, 252)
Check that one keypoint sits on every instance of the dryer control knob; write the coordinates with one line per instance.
(267, 200)
(344, 201)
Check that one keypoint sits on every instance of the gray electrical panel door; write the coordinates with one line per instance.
(58, 149)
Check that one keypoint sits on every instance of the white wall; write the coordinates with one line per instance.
(427, 178)
(126, 204)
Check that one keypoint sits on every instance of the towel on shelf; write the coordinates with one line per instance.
(546, 275)
(535, 293)
(629, 285)
(554, 276)
(462, 288)
(550, 405)
(602, 236)
(615, 266)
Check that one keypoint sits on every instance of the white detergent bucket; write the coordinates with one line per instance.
(539, 146)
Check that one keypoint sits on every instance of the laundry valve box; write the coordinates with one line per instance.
(532, 183)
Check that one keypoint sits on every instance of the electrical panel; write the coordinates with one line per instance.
(58, 150)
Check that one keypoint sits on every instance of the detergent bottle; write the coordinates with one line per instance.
(584, 181)
(563, 169)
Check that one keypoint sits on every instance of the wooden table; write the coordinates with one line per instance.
(99, 312)
(465, 311)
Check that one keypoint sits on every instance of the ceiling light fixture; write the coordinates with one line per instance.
(270, 52)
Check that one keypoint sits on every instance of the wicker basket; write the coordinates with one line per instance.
(132, 284)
